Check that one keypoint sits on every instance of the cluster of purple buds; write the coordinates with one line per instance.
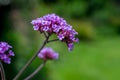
(48, 54)
(52, 23)
(5, 53)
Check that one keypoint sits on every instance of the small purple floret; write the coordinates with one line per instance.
(48, 54)
(36, 27)
(5, 53)
(70, 46)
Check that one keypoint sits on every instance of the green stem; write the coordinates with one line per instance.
(2, 71)
(35, 72)
(52, 40)
(30, 60)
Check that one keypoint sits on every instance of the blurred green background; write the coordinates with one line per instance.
(95, 57)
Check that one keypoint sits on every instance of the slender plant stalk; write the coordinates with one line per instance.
(52, 40)
(46, 35)
(2, 71)
(35, 72)
(30, 60)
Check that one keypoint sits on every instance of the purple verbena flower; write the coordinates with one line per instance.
(53, 24)
(70, 46)
(5, 53)
(48, 54)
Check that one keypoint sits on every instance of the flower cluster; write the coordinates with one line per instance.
(48, 54)
(5, 53)
(52, 23)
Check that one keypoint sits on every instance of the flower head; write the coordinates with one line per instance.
(53, 24)
(5, 53)
(48, 54)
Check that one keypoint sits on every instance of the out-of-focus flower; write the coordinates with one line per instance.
(48, 54)
(52, 23)
(5, 53)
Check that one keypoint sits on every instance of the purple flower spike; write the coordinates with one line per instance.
(48, 54)
(53, 24)
(5, 53)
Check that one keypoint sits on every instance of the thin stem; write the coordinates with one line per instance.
(2, 71)
(45, 34)
(30, 60)
(35, 72)
(52, 40)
